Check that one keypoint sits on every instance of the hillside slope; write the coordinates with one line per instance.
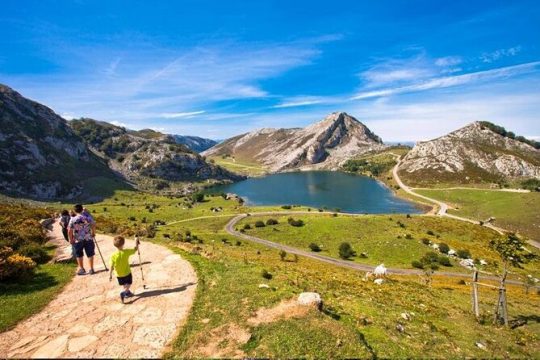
(323, 145)
(40, 156)
(146, 154)
(473, 154)
(194, 143)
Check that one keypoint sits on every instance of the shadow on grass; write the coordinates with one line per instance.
(39, 281)
(159, 292)
(522, 320)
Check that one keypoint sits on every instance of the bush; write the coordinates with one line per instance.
(429, 257)
(426, 241)
(35, 252)
(286, 207)
(464, 254)
(282, 255)
(408, 237)
(444, 248)
(272, 222)
(265, 274)
(417, 264)
(297, 223)
(444, 261)
(314, 247)
(429, 232)
(197, 197)
(434, 266)
(14, 266)
(247, 227)
(346, 251)
(259, 224)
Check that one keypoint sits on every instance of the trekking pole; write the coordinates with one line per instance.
(101, 255)
(140, 262)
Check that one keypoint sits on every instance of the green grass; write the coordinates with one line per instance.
(239, 167)
(518, 212)
(382, 238)
(24, 298)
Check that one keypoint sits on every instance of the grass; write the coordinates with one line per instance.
(518, 212)
(20, 300)
(239, 167)
(382, 237)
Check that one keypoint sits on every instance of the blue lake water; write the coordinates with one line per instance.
(318, 189)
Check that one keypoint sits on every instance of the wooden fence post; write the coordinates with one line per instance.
(476, 310)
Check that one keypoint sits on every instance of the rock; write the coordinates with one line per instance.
(310, 299)
(77, 344)
(468, 263)
(400, 328)
(380, 271)
(452, 252)
(480, 345)
(378, 281)
(483, 262)
(406, 316)
(264, 286)
(51, 349)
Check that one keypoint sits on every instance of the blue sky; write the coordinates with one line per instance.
(410, 70)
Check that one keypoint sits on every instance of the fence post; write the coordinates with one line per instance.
(475, 308)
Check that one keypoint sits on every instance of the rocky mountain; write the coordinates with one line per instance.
(323, 145)
(40, 155)
(479, 152)
(146, 155)
(195, 143)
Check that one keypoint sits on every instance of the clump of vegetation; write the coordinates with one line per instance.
(464, 254)
(531, 184)
(197, 197)
(296, 223)
(431, 260)
(286, 207)
(259, 224)
(314, 247)
(346, 251)
(272, 222)
(265, 274)
(282, 255)
(247, 227)
(444, 248)
(509, 134)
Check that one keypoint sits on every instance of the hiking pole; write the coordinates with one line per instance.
(100, 254)
(140, 262)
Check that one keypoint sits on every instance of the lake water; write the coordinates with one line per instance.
(318, 189)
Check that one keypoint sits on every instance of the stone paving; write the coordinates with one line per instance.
(87, 319)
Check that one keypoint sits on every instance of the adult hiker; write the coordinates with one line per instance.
(64, 222)
(81, 231)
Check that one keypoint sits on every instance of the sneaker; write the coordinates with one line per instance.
(81, 272)
(122, 296)
(129, 294)
(91, 272)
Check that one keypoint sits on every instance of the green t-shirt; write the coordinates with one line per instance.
(120, 261)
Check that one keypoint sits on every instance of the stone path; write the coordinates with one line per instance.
(87, 320)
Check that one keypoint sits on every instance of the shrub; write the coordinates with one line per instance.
(238, 243)
(346, 251)
(35, 252)
(132, 218)
(265, 274)
(426, 241)
(464, 254)
(14, 266)
(297, 223)
(430, 257)
(408, 237)
(444, 248)
(247, 227)
(417, 264)
(271, 222)
(314, 247)
(444, 261)
(430, 232)
(259, 223)
(286, 207)
(197, 197)
(434, 266)
(282, 255)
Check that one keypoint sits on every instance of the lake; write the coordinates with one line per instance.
(318, 189)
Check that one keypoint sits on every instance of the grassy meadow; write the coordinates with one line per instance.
(519, 212)
(360, 318)
(239, 166)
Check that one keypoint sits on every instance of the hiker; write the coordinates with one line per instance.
(64, 222)
(120, 262)
(81, 232)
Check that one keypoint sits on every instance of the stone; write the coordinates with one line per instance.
(310, 299)
(52, 349)
(378, 281)
(264, 286)
(480, 345)
(79, 343)
(153, 336)
(406, 316)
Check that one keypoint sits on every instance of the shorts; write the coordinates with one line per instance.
(125, 280)
(87, 245)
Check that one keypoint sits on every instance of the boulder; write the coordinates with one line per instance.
(310, 299)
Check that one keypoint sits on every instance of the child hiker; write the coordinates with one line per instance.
(120, 263)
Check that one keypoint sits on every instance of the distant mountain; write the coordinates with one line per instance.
(195, 143)
(146, 155)
(479, 152)
(323, 145)
(40, 155)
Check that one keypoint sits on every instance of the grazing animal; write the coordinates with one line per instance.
(380, 271)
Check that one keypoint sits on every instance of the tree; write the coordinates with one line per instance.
(346, 251)
(314, 247)
(197, 197)
(444, 248)
(282, 255)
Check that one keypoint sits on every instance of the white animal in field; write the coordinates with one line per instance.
(380, 271)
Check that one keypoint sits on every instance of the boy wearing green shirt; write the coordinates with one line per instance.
(120, 262)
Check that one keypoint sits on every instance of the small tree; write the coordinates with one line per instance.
(314, 247)
(197, 197)
(444, 248)
(346, 251)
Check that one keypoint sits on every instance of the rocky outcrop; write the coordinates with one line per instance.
(323, 145)
(473, 153)
(40, 156)
(147, 154)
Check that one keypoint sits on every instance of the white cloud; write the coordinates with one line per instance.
(450, 81)
(500, 53)
(181, 114)
(448, 61)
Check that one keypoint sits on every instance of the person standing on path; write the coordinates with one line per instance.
(64, 222)
(81, 232)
